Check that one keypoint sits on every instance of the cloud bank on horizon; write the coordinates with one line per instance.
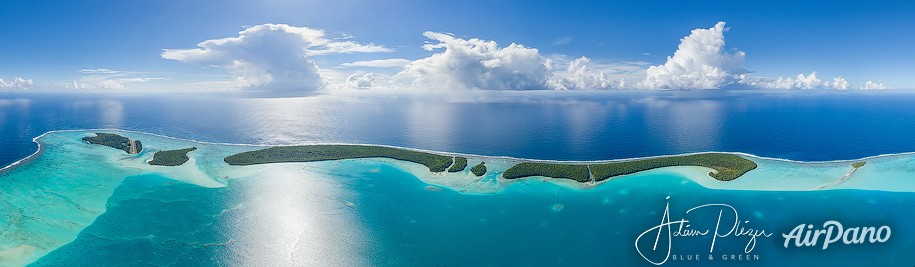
(108, 79)
(16, 83)
(279, 58)
(475, 64)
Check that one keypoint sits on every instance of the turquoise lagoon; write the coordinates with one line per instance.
(73, 203)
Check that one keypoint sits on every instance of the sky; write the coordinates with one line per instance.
(299, 47)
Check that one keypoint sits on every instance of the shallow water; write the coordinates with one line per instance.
(385, 212)
(78, 204)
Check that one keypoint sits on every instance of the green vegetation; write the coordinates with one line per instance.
(479, 169)
(555, 170)
(113, 140)
(171, 157)
(727, 167)
(858, 164)
(460, 163)
(309, 153)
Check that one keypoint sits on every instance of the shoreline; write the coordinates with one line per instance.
(28, 158)
(696, 174)
(509, 158)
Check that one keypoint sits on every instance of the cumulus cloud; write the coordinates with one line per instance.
(380, 63)
(16, 83)
(362, 80)
(700, 62)
(872, 85)
(809, 81)
(106, 84)
(803, 82)
(271, 57)
(838, 83)
(278, 58)
(475, 64)
(579, 75)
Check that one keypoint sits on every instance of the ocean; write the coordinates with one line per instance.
(809, 126)
(370, 212)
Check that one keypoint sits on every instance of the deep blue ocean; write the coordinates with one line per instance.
(395, 221)
(810, 126)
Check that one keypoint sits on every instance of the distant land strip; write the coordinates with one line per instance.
(726, 166)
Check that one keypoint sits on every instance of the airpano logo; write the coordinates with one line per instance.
(804, 235)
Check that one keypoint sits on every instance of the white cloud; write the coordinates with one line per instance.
(100, 71)
(700, 62)
(108, 79)
(562, 41)
(16, 83)
(838, 83)
(872, 85)
(579, 75)
(278, 58)
(362, 80)
(140, 79)
(809, 81)
(344, 36)
(106, 84)
(475, 64)
(803, 82)
(380, 63)
(271, 57)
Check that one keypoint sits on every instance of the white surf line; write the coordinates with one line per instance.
(29, 157)
(593, 183)
(840, 180)
(515, 159)
(445, 153)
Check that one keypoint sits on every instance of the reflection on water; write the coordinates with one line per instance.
(546, 125)
(433, 124)
(294, 217)
(686, 125)
(284, 120)
(371, 212)
(111, 112)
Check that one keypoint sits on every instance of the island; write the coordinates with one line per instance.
(479, 169)
(115, 141)
(460, 163)
(854, 167)
(310, 153)
(577, 172)
(726, 167)
(171, 157)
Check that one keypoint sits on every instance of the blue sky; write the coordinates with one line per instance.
(50, 42)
